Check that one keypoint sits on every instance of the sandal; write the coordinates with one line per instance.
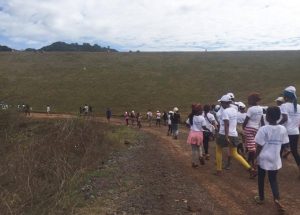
(258, 200)
(194, 165)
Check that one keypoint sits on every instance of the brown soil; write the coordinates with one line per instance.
(155, 177)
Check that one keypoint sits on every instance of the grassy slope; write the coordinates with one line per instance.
(142, 80)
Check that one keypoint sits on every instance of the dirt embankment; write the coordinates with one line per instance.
(155, 177)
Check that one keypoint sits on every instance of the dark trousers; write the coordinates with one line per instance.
(294, 147)
(206, 136)
(272, 175)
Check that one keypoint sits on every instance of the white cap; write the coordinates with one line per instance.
(157, 111)
(241, 104)
(291, 89)
(279, 99)
(217, 107)
(171, 112)
(231, 95)
(225, 98)
(175, 109)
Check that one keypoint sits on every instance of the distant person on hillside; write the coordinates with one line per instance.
(290, 112)
(48, 109)
(197, 125)
(170, 114)
(254, 120)
(165, 117)
(158, 118)
(108, 114)
(269, 140)
(139, 119)
(228, 136)
(26, 109)
(90, 109)
(149, 117)
(175, 122)
(126, 116)
(132, 117)
(86, 109)
(208, 134)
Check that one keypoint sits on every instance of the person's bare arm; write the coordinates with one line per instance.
(245, 122)
(283, 119)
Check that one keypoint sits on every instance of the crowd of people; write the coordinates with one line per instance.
(258, 137)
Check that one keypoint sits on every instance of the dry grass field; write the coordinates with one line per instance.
(125, 81)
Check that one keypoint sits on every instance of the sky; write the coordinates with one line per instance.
(153, 25)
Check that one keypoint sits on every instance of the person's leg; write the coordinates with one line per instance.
(219, 157)
(238, 157)
(294, 148)
(261, 183)
(251, 157)
(273, 182)
(194, 155)
(205, 142)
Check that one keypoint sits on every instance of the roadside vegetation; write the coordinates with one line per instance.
(45, 165)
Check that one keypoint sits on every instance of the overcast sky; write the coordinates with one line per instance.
(148, 25)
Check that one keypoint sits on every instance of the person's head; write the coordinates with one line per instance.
(253, 99)
(231, 95)
(175, 110)
(242, 107)
(279, 101)
(206, 108)
(273, 114)
(196, 109)
(289, 95)
(225, 101)
(217, 108)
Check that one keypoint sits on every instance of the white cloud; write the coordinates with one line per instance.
(156, 24)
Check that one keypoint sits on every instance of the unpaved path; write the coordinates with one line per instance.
(168, 184)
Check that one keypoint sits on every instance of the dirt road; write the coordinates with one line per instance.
(155, 177)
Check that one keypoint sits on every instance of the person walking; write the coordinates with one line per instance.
(170, 114)
(254, 120)
(290, 112)
(132, 117)
(211, 124)
(175, 120)
(108, 114)
(269, 140)
(228, 136)
(126, 116)
(149, 117)
(139, 119)
(165, 117)
(48, 109)
(158, 118)
(197, 124)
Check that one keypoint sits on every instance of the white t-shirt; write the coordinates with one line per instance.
(293, 121)
(149, 114)
(219, 113)
(209, 119)
(234, 106)
(169, 119)
(271, 137)
(231, 115)
(158, 115)
(254, 113)
(198, 122)
(241, 117)
(48, 109)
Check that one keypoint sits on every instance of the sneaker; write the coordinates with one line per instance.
(258, 200)
(194, 165)
(201, 159)
(279, 206)
(253, 173)
(207, 157)
(227, 167)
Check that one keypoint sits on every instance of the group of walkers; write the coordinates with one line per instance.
(85, 110)
(257, 138)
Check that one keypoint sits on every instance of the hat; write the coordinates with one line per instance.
(279, 99)
(217, 107)
(175, 109)
(241, 104)
(225, 98)
(171, 112)
(157, 111)
(231, 95)
(290, 89)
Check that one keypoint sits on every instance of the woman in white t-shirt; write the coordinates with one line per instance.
(253, 121)
(228, 136)
(197, 125)
(269, 140)
(291, 120)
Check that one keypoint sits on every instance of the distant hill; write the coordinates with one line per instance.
(75, 47)
(5, 49)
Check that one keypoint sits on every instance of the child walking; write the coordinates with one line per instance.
(197, 124)
(269, 140)
(254, 119)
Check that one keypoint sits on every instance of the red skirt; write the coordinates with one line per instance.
(195, 137)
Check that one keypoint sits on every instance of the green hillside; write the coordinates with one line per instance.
(125, 81)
